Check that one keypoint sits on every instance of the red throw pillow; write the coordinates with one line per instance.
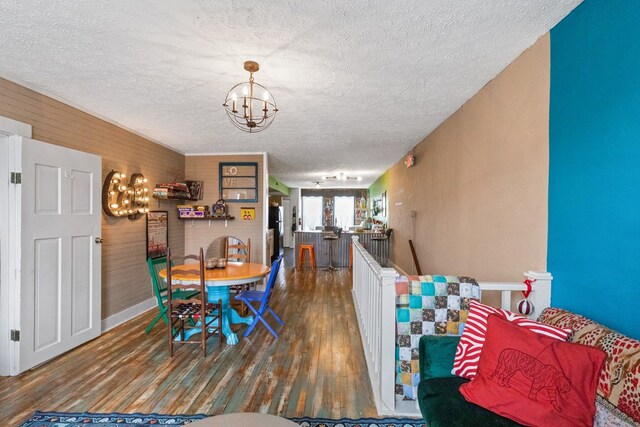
(469, 348)
(535, 380)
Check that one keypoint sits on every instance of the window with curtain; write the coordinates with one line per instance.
(311, 212)
(343, 212)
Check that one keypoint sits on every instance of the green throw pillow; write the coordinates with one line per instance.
(436, 355)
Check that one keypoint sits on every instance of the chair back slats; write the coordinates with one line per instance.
(195, 309)
(155, 266)
(275, 267)
(236, 250)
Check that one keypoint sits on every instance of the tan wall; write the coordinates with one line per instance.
(125, 277)
(209, 234)
(479, 186)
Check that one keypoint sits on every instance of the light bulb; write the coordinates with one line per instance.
(146, 189)
(115, 181)
(112, 193)
(146, 199)
(122, 188)
(146, 209)
(126, 202)
(265, 96)
(359, 178)
(145, 180)
(234, 97)
(114, 205)
(317, 185)
(324, 178)
(245, 91)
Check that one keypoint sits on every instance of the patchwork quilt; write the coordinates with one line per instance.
(427, 305)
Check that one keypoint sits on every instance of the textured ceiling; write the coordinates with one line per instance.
(358, 83)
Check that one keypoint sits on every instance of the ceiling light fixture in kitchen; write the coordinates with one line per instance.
(341, 177)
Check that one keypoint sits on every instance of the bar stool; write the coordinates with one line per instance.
(310, 249)
(380, 246)
(331, 237)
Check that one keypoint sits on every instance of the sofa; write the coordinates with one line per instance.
(615, 383)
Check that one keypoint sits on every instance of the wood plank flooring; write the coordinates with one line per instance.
(315, 369)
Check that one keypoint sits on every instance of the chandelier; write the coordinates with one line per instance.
(249, 105)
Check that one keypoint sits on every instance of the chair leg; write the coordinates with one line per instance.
(264, 322)
(251, 327)
(276, 316)
(170, 328)
(259, 317)
(161, 315)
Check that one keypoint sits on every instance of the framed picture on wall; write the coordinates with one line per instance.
(157, 233)
(238, 181)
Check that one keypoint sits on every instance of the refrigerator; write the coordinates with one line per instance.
(275, 223)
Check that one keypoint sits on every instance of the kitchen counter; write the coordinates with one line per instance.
(340, 248)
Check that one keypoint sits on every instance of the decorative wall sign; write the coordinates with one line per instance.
(157, 233)
(239, 182)
(248, 214)
(120, 199)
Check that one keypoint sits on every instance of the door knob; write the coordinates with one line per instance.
(99, 240)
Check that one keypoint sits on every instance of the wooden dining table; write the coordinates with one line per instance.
(218, 281)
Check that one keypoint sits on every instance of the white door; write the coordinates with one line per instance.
(287, 235)
(61, 255)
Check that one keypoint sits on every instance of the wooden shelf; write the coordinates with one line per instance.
(210, 218)
(173, 198)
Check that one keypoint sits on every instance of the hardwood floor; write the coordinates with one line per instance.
(315, 369)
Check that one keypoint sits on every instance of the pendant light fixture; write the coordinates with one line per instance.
(249, 105)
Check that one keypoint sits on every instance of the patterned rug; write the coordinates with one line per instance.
(69, 419)
(360, 422)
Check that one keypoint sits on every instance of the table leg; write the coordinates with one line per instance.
(229, 315)
(236, 318)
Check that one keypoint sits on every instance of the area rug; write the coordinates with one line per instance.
(70, 419)
(360, 422)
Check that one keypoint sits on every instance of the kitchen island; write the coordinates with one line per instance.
(340, 248)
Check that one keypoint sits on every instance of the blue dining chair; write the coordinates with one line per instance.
(263, 298)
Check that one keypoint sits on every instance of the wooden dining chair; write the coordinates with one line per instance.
(237, 251)
(263, 298)
(160, 290)
(190, 313)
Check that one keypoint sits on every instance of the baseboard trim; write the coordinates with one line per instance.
(128, 314)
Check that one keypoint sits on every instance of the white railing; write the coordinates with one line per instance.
(374, 298)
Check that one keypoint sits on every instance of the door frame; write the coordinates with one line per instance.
(10, 226)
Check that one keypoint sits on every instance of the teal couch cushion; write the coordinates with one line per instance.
(436, 355)
(442, 405)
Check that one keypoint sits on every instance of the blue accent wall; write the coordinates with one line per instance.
(594, 169)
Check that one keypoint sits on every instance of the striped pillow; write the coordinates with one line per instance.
(468, 351)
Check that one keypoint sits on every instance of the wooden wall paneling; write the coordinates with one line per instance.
(200, 233)
(125, 279)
